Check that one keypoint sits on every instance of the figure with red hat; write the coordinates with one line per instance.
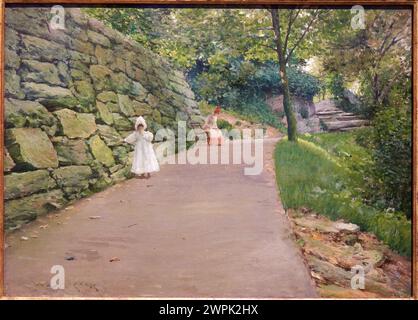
(213, 133)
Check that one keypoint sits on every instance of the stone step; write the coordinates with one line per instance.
(329, 113)
(351, 128)
(338, 125)
(347, 117)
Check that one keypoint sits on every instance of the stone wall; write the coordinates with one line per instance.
(72, 95)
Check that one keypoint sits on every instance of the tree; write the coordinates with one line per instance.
(281, 40)
(377, 57)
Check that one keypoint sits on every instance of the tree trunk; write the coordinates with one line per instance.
(287, 102)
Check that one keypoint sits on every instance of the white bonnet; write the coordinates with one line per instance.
(140, 120)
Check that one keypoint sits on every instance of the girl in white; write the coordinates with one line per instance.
(144, 161)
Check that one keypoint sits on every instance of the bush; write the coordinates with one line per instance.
(391, 172)
(223, 124)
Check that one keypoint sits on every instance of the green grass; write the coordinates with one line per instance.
(323, 172)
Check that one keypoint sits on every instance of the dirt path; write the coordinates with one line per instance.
(189, 231)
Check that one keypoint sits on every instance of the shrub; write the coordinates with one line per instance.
(391, 172)
(223, 124)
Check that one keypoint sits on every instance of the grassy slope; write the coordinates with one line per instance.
(322, 172)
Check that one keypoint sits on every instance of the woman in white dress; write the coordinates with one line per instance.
(144, 161)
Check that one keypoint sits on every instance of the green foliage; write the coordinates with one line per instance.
(302, 84)
(308, 175)
(390, 182)
(224, 125)
(336, 85)
(243, 86)
(145, 25)
(377, 59)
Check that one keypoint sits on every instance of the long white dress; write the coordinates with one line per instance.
(144, 160)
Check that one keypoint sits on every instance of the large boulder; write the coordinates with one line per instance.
(72, 176)
(49, 96)
(20, 113)
(41, 49)
(76, 125)
(101, 151)
(20, 211)
(18, 185)
(41, 72)
(31, 148)
(72, 151)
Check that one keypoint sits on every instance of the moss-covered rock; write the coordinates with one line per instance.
(18, 185)
(31, 148)
(76, 125)
(120, 83)
(98, 38)
(125, 105)
(72, 152)
(121, 122)
(121, 153)
(101, 77)
(11, 58)
(101, 151)
(12, 84)
(85, 93)
(156, 116)
(121, 174)
(110, 136)
(141, 108)
(104, 113)
(100, 179)
(104, 56)
(107, 96)
(41, 72)
(51, 97)
(23, 210)
(72, 176)
(20, 113)
(41, 49)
